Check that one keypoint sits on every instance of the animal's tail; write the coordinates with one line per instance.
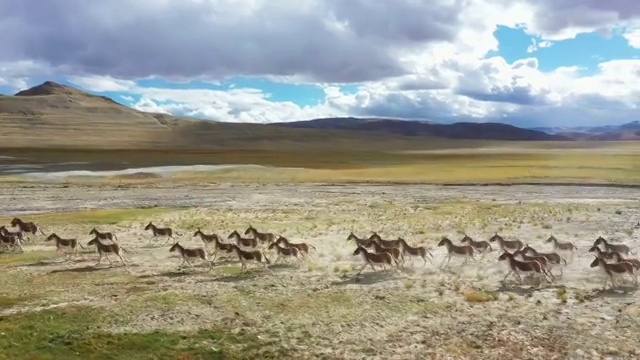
(115, 237)
(124, 249)
(41, 232)
(564, 260)
(81, 246)
(490, 248)
(313, 247)
(266, 259)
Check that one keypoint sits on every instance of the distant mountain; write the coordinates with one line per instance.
(460, 130)
(628, 131)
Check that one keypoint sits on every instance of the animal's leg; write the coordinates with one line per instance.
(506, 276)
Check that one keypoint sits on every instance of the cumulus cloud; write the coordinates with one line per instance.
(410, 58)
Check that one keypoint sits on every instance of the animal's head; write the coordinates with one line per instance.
(93, 241)
(505, 255)
(93, 232)
(198, 232)
(495, 237)
(272, 245)
(599, 240)
(594, 249)
(250, 230)
(149, 226)
(444, 241)
(352, 236)
(51, 237)
(15, 221)
(596, 261)
(359, 250)
(234, 234)
(551, 239)
(466, 239)
(174, 247)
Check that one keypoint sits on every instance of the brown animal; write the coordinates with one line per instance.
(18, 234)
(188, 254)
(507, 245)
(284, 251)
(27, 227)
(240, 241)
(164, 232)
(527, 267)
(106, 249)
(62, 244)
(464, 251)
(605, 255)
(373, 258)
(366, 243)
(263, 238)
(103, 235)
(396, 253)
(540, 259)
(562, 246)
(480, 246)
(618, 258)
(553, 258)
(419, 251)
(620, 248)
(303, 248)
(255, 255)
(11, 242)
(386, 243)
(206, 238)
(614, 269)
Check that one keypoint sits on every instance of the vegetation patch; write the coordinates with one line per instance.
(69, 333)
(92, 217)
(480, 295)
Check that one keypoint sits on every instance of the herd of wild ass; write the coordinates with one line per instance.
(612, 259)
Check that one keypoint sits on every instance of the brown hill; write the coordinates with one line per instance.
(52, 115)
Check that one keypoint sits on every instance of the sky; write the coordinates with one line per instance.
(528, 63)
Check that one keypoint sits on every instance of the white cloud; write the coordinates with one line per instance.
(633, 37)
(411, 58)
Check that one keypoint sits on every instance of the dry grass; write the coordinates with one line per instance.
(617, 163)
(319, 309)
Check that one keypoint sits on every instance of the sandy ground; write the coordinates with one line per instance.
(320, 309)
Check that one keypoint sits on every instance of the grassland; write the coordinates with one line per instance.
(483, 162)
(56, 308)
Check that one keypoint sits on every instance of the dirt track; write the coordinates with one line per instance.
(320, 308)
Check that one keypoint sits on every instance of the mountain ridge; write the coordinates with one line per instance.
(56, 115)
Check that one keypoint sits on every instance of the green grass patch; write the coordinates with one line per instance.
(93, 217)
(10, 301)
(26, 257)
(69, 333)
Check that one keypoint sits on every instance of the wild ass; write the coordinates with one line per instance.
(553, 258)
(284, 251)
(616, 269)
(263, 238)
(71, 245)
(158, 232)
(373, 258)
(106, 249)
(187, 254)
(255, 255)
(418, 251)
(527, 267)
(244, 242)
(464, 251)
(480, 246)
(303, 248)
(103, 235)
(621, 248)
(506, 245)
